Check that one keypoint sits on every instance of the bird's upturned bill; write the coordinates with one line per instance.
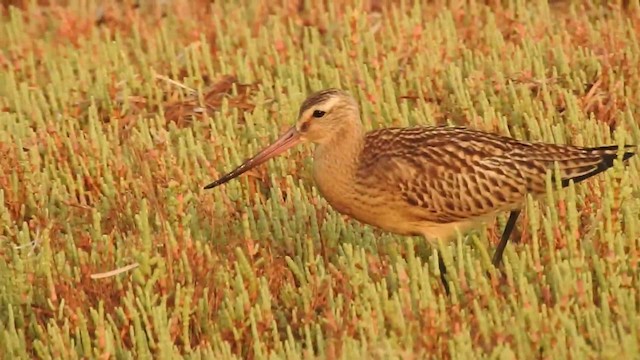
(286, 141)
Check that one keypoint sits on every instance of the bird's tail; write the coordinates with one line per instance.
(594, 161)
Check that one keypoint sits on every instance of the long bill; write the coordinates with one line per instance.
(286, 141)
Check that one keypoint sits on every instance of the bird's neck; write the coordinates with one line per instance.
(335, 165)
(341, 152)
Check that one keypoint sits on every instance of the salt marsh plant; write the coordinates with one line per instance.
(114, 116)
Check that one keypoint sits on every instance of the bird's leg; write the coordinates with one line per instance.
(518, 235)
(433, 248)
(508, 229)
(443, 273)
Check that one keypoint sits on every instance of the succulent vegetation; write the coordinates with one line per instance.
(113, 117)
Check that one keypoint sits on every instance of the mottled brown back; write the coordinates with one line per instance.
(449, 174)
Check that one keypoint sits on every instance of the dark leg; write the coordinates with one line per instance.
(497, 257)
(443, 272)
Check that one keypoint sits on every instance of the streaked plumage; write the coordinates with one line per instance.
(439, 176)
(429, 181)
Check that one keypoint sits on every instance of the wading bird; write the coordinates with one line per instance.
(428, 181)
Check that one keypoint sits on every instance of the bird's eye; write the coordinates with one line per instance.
(318, 114)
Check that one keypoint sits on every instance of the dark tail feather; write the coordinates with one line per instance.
(607, 155)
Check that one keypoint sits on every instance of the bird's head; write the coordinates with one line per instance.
(323, 117)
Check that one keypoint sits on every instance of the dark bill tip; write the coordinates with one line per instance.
(286, 141)
(211, 186)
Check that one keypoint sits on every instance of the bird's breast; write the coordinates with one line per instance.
(335, 172)
(366, 205)
(336, 189)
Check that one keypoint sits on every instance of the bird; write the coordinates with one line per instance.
(430, 181)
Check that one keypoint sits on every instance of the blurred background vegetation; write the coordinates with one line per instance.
(115, 114)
